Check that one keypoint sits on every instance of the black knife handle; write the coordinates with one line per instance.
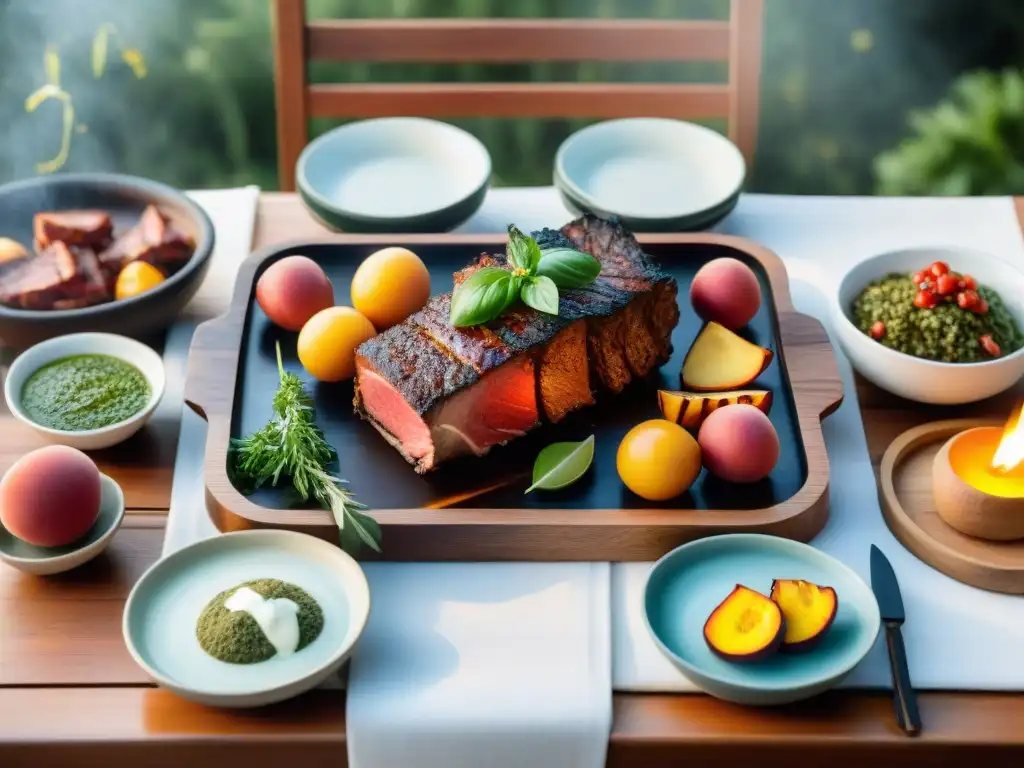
(904, 698)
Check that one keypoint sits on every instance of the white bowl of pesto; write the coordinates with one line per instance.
(86, 390)
(166, 617)
(920, 379)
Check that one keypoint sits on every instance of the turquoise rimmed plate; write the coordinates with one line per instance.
(161, 613)
(686, 585)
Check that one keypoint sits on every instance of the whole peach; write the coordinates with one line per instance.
(50, 497)
(292, 290)
(726, 291)
(739, 444)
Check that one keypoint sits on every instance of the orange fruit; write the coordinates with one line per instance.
(390, 285)
(658, 460)
(137, 277)
(328, 341)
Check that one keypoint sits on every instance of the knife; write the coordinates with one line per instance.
(890, 604)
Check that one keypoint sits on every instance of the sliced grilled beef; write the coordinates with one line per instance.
(89, 229)
(154, 239)
(436, 392)
(36, 282)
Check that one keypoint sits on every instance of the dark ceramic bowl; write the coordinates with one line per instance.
(124, 197)
(394, 175)
(652, 174)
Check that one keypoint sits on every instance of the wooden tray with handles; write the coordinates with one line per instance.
(474, 508)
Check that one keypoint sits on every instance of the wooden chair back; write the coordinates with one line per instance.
(298, 41)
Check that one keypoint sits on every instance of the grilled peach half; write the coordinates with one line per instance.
(808, 609)
(689, 409)
(745, 627)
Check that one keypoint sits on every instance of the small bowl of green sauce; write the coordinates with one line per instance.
(86, 390)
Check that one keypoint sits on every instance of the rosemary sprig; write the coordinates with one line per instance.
(291, 446)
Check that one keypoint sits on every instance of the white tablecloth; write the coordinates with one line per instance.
(512, 659)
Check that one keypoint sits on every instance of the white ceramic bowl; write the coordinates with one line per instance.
(394, 174)
(651, 173)
(130, 351)
(46, 561)
(928, 381)
(165, 603)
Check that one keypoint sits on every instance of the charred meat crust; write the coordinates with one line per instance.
(628, 313)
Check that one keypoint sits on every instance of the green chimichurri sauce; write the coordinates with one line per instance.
(84, 392)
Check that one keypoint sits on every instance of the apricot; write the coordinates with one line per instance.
(389, 286)
(745, 627)
(726, 291)
(11, 250)
(328, 341)
(658, 460)
(719, 359)
(808, 609)
(137, 277)
(51, 496)
(292, 290)
(739, 444)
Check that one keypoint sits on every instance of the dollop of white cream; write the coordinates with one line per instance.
(278, 618)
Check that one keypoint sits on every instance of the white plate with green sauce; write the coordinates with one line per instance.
(86, 390)
(164, 609)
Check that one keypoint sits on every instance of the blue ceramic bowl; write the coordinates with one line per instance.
(393, 175)
(652, 174)
(686, 585)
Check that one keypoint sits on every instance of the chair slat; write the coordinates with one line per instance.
(517, 40)
(511, 100)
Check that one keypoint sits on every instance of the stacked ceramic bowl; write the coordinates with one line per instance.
(654, 175)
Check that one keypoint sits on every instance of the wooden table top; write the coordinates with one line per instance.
(70, 695)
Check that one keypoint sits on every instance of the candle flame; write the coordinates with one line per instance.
(1010, 452)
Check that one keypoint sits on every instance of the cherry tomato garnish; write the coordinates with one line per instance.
(990, 346)
(968, 282)
(981, 307)
(947, 284)
(939, 268)
(920, 277)
(924, 300)
(877, 330)
(967, 299)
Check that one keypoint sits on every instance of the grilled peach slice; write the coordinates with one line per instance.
(745, 627)
(808, 609)
(719, 359)
(689, 409)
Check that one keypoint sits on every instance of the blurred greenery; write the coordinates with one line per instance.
(839, 81)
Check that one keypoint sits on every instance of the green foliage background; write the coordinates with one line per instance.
(840, 79)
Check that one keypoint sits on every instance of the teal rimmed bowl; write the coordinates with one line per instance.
(686, 585)
(162, 610)
(394, 175)
(652, 174)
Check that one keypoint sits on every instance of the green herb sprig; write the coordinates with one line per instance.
(536, 276)
(291, 446)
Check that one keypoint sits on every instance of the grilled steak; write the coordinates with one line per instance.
(61, 277)
(90, 229)
(154, 239)
(436, 392)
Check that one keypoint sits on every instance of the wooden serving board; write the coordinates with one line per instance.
(475, 508)
(908, 506)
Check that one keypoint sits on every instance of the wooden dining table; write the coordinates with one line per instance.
(71, 696)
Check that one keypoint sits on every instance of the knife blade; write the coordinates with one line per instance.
(890, 605)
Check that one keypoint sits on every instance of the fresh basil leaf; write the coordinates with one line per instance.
(542, 294)
(568, 268)
(562, 464)
(518, 249)
(483, 296)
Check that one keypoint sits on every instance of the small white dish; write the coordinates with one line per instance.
(160, 615)
(914, 378)
(394, 174)
(651, 173)
(46, 561)
(130, 351)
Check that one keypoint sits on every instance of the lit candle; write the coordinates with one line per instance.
(978, 481)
